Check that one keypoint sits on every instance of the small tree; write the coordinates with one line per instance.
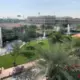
(16, 51)
(30, 33)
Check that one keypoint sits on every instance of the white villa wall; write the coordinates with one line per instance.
(0, 37)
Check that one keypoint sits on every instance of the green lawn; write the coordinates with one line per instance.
(6, 61)
(34, 43)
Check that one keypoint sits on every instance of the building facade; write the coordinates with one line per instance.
(41, 20)
(52, 20)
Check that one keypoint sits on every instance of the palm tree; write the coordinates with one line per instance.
(55, 59)
(76, 46)
(58, 37)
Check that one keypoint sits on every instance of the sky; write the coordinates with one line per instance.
(12, 8)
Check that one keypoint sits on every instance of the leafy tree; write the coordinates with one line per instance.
(42, 27)
(30, 33)
(24, 33)
(8, 35)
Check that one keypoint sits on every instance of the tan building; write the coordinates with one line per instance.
(41, 20)
(52, 20)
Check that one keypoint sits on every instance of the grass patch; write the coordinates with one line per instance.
(6, 61)
(45, 43)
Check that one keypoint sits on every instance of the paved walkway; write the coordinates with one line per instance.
(9, 72)
(41, 78)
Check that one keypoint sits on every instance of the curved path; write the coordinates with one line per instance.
(10, 71)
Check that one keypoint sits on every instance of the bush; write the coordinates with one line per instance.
(30, 47)
(41, 43)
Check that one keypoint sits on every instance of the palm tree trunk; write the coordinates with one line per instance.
(14, 63)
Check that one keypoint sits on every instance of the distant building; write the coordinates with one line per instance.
(52, 20)
(76, 35)
(11, 25)
(41, 20)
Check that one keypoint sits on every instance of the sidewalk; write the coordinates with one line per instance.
(9, 72)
